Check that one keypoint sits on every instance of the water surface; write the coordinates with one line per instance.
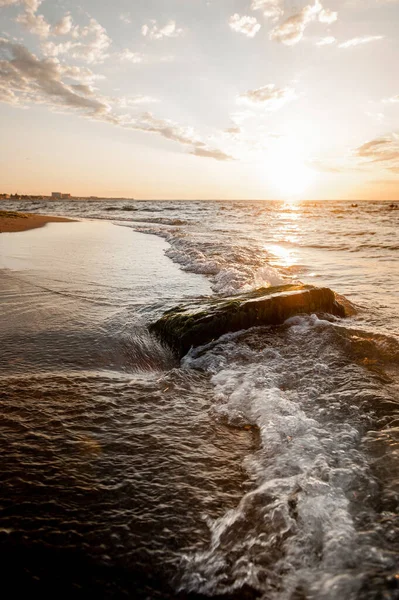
(263, 465)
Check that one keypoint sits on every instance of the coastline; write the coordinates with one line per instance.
(11, 222)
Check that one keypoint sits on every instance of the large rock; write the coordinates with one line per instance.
(197, 324)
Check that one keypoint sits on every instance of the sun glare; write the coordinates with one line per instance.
(288, 171)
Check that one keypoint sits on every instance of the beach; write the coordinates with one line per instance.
(12, 221)
(199, 292)
(261, 462)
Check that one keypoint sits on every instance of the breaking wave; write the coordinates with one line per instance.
(315, 523)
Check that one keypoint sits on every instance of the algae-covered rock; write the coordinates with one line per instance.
(197, 324)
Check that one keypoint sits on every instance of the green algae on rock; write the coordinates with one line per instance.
(193, 325)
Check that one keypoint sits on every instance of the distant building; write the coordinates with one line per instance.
(4, 196)
(59, 195)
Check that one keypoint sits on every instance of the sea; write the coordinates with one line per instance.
(262, 465)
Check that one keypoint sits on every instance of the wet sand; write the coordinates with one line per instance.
(11, 221)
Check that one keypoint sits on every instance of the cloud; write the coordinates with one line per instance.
(53, 50)
(136, 58)
(379, 116)
(29, 4)
(268, 97)
(94, 48)
(83, 74)
(392, 100)
(271, 9)
(330, 39)
(233, 130)
(64, 26)
(248, 26)
(380, 149)
(291, 31)
(129, 101)
(357, 41)
(35, 24)
(129, 56)
(327, 16)
(83, 88)
(210, 153)
(40, 81)
(183, 135)
(25, 79)
(90, 44)
(383, 150)
(168, 129)
(153, 32)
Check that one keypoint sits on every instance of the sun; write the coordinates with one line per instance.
(292, 178)
(288, 171)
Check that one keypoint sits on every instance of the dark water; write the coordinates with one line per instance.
(264, 465)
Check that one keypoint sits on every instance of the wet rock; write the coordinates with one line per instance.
(196, 324)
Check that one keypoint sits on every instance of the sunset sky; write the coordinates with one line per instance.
(200, 98)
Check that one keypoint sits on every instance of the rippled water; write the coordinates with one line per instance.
(263, 465)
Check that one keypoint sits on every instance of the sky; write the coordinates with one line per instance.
(200, 99)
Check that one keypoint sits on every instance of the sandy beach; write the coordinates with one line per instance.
(11, 221)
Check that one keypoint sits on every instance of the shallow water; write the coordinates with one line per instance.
(263, 465)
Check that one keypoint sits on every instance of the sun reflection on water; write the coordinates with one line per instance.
(285, 257)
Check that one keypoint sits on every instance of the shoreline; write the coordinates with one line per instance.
(13, 222)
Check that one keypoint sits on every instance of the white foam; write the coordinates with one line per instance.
(232, 270)
(295, 529)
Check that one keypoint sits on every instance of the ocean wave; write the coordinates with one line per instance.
(385, 246)
(166, 221)
(232, 270)
(160, 221)
(121, 208)
(313, 522)
(227, 276)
